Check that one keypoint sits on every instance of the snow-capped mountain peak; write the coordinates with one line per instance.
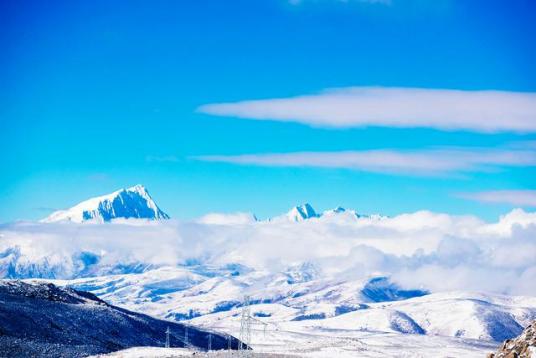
(301, 212)
(134, 202)
(339, 209)
(340, 213)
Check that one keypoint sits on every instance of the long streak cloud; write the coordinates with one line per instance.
(431, 162)
(444, 109)
(512, 197)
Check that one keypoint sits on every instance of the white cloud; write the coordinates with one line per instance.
(438, 251)
(417, 162)
(513, 197)
(482, 111)
(227, 219)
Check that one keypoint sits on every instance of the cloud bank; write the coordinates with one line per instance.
(422, 249)
(418, 162)
(481, 111)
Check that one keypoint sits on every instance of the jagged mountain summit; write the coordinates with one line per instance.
(134, 202)
(301, 212)
(306, 211)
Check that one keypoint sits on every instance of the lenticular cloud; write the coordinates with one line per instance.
(427, 162)
(481, 111)
(435, 251)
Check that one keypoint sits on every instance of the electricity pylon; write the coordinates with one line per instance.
(229, 340)
(246, 321)
(245, 329)
(167, 337)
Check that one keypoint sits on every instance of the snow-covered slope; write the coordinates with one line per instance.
(469, 315)
(43, 320)
(207, 295)
(185, 292)
(134, 202)
(452, 324)
(314, 338)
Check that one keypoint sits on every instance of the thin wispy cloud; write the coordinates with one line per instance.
(481, 111)
(525, 198)
(162, 159)
(430, 162)
(99, 177)
(382, 2)
(45, 209)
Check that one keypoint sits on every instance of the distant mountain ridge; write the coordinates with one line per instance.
(306, 211)
(134, 202)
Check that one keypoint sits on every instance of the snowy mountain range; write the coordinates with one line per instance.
(430, 279)
(134, 202)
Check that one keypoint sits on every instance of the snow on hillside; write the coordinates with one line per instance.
(285, 344)
(208, 295)
(134, 202)
(470, 315)
(329, 338)
(406, 328)
(43, 320)
(185, 292)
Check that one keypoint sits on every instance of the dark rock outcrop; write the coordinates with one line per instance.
(43, 320)
(523, 346)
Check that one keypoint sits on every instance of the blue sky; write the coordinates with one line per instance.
(99, 95)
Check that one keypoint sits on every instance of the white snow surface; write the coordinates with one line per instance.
(328, 344)
(320, 317)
